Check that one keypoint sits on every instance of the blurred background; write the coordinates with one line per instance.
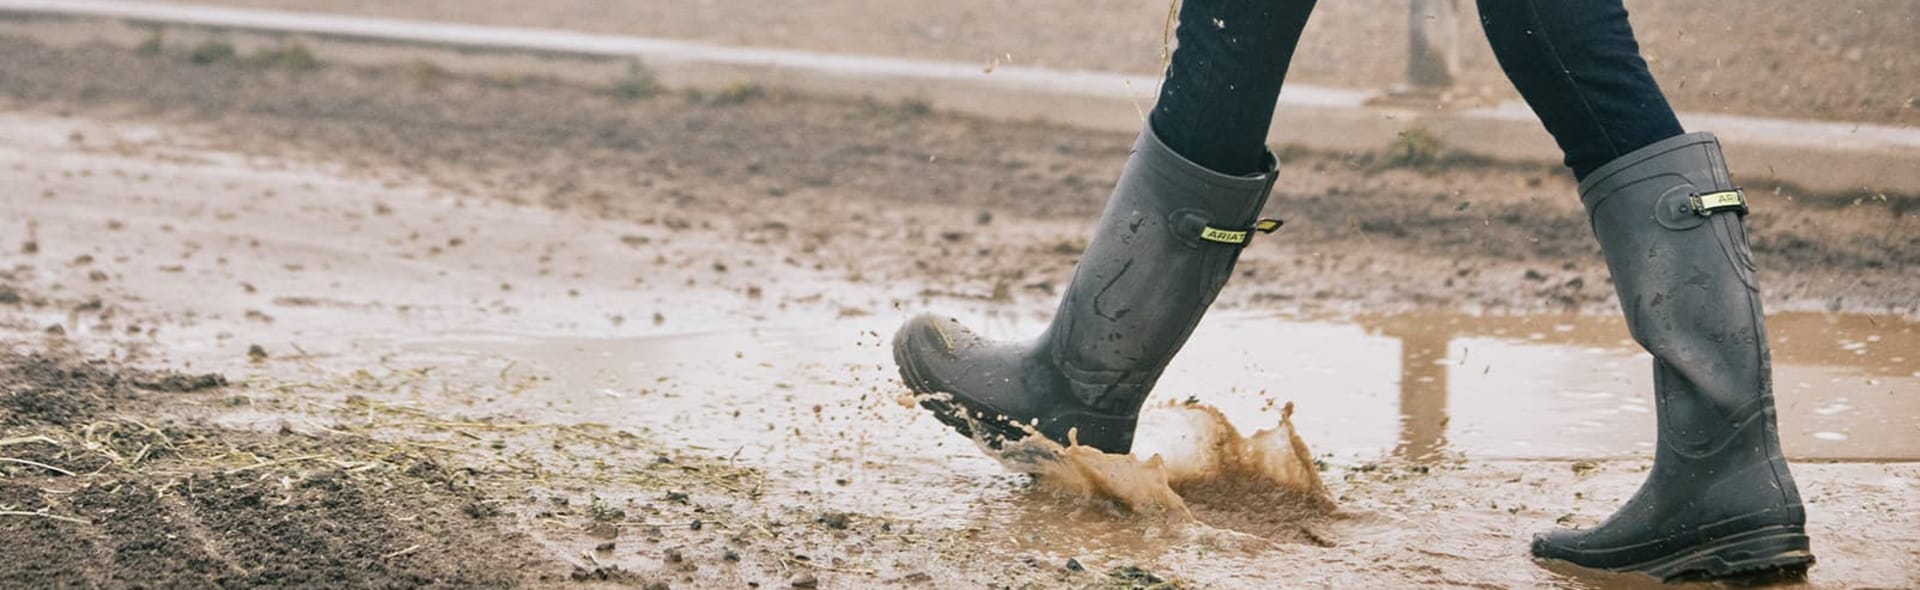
(502, 293)
(1847, 61)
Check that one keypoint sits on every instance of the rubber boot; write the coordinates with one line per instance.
(1718, 501)
(1160, 253)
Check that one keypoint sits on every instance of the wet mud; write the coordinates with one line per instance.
(95, 492)
(642, 343)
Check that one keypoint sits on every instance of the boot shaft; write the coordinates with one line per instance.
(1671, 224)
(1159, 255)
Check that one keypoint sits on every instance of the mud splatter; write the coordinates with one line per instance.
(1189, 466)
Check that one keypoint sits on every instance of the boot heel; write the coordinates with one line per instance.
(1776, 550)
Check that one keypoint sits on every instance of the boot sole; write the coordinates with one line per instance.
(954, 413)
(1776, 549)
(1766, 552)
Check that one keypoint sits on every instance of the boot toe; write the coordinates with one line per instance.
(919, 341)
(1561, 544)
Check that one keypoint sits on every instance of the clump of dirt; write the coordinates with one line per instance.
(93, 495)
(42, 389)
(1131, 577)
(182, 383)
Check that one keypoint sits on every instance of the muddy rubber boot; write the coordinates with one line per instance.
(1718, 501)
(1160, 253)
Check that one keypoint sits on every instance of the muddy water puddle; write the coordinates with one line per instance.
(1540, 387)
(821, 408)
(1497, 387)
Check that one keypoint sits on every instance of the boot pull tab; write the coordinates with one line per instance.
(1239, 237)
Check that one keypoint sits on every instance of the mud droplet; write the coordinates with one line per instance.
(1134, 577)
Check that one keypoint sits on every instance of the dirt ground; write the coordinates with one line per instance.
(508, 331)
(102, 492)
(1850, 62)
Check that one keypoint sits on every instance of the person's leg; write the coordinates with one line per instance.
(1218, 98)
(1186, 203)
(1719, 500)
(1577, 64)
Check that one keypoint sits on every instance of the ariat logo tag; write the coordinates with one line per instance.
(1214, 234)
(1239, 237)
(1711, 203)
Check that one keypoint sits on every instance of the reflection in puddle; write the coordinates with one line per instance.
(1541, 386)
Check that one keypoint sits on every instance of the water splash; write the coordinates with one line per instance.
(1196, 468)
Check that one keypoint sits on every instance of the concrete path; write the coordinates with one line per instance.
(1816, 155)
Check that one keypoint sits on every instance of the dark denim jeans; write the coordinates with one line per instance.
(1574, 61)
(1577, 64)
